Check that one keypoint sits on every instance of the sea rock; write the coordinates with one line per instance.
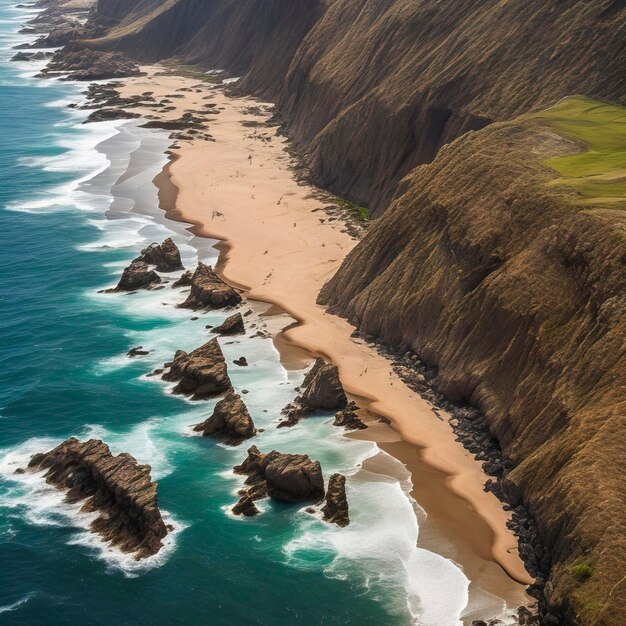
(108, 114)
(233, 325)
(246, 507)
(137, 276)
(335, 509)
(209, 291)
(348, 418)
(321, 390)
(137, 351)
(241, 361)
(285, 477)
(230, 421)
(200, 374)
(165, 256)
(117, 487)
(184, 280)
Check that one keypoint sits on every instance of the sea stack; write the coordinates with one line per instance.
(117, 487)
(209, 291)
(137, 275)
(165, 256)
(230, 421)
(200, 374)
(335, 508)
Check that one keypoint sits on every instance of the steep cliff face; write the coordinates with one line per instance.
(371, 88)
(516, 292)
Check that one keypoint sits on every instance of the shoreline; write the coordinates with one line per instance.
(458, 500)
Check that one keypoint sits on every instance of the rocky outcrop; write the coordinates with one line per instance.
(320, 390)
(165, 256)
(83, 64)
(117, 487)
(184, 280)
(335, 508)
(209, 291)
(137, 351)
(137, 276)
(233, 325)
(348, 418)
(286, 477)
(230, 421)
(512, 292)
(200, 374)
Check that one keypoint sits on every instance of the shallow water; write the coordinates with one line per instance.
(76, 204)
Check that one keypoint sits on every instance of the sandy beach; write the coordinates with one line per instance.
(280, 247)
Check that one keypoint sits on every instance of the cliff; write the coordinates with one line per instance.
(510, 281)
(368, 89)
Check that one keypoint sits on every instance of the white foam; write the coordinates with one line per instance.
(15, 605)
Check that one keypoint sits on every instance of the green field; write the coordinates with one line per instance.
(597, 174)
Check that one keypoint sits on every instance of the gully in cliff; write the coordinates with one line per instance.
(117, 487)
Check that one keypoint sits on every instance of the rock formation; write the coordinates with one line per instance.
(200, 374)
(137, 276)
(286, 477)
(83, 64)
(116, 486)
(209, 291)
(184, 280)
(335, 508)
(348, 418)
(230, 421)
(233, 325)
(165, 256)
(137, 351)
(320, 390)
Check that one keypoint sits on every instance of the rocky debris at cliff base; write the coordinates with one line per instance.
(290, 478)
(117, 487)
(233, 325)
(348, 418)
(165, 256)
(335, 509)
(136, 276)
(320, 390)
(200, 374)
(86, 64)
(230, 421)
(137, 351)
(209, 291)
(31, 56)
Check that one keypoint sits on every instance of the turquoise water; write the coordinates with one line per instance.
(70, 220)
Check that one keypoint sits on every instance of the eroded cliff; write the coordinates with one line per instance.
(514, 288)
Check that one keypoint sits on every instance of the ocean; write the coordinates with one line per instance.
(77, 203)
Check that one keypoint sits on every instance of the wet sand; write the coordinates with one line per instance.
(281, 248)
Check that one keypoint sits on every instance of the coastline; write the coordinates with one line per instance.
(454, 497)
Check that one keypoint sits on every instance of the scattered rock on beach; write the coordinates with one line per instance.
(230, 421)
(165, 256)
(200, 374)
(209, 291)
(233, 325)
(117, 487)
(137, 276)
(348, 418)
(335, 509)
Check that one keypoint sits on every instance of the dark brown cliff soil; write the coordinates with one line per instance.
(368, 89)
(516, 294)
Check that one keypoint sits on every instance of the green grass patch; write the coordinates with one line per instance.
(582, 571)
(597, 174)
(360, 212)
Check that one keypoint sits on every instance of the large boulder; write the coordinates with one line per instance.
(285, 477)
(348, 418)
(233, 325)
(137, 276)
(209, 291)
(200, 374)
(230, 421)
(166, 256)
(335, 508)
(117, 487)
